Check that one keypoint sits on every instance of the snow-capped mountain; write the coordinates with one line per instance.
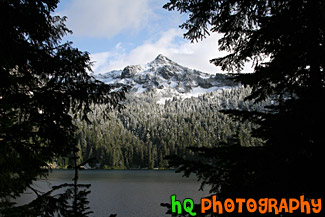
(166, 79)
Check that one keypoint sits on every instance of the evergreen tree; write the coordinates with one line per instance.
(197, 123)
(285, 42)
(44, 85)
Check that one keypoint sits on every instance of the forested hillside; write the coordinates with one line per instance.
(143, 133)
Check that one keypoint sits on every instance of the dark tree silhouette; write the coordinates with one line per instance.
(66, 200)
(285, 42)
(44, 84)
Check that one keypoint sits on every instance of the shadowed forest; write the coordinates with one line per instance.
(264, 137)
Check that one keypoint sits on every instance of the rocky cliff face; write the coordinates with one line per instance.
(165, 78)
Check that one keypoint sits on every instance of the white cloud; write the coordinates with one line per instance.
(106, 18)
(170, 44)
(99, 60)
(93, 19)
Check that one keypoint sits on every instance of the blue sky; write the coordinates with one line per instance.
(118, 33)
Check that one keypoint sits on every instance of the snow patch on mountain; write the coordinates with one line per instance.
(165, 79)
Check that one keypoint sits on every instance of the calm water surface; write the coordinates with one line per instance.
(128, 193)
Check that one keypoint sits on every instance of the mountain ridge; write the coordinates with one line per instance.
(166, 79)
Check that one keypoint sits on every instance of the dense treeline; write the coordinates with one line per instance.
(44, 84)
(284, 40)
(142, 134)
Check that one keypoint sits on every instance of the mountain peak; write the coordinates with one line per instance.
(161, 60)
(161, 57)
(165, 78)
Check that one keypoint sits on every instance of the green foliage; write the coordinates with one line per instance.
(144, 133)
(44, 84)
(285, 42)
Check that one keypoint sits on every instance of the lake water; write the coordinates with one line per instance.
(128, 193)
